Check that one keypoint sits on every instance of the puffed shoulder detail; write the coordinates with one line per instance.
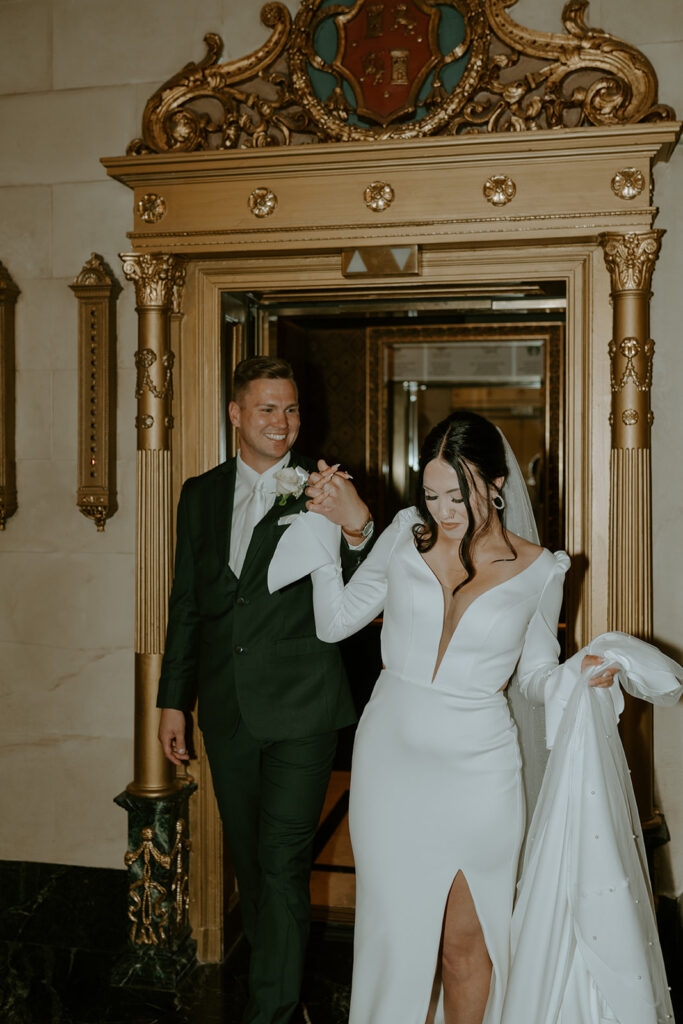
(407, 517)
(562, 560)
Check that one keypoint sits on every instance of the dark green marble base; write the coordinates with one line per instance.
(161, 950)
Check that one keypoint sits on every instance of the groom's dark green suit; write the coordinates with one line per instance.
(271, 697)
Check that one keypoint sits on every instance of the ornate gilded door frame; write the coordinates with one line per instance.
(568, 222)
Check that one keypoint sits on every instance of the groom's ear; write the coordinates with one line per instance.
(234, 412)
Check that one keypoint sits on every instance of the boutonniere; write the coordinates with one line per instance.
(290, 483)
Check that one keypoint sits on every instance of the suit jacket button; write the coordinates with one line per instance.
(241, 600)
(240, 650)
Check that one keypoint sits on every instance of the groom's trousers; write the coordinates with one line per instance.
(270, 795)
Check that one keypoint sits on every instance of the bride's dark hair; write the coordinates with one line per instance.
(463, 437)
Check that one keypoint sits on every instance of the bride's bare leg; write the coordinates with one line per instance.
(465, 962)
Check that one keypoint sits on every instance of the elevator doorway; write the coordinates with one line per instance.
(374, 376)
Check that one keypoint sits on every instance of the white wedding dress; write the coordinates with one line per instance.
(436, 778)
(436, 788)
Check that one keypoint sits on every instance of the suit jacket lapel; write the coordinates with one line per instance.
(222, 510)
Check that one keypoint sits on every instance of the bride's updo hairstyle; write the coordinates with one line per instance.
(463, 437)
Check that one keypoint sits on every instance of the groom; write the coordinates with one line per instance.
(271, 696)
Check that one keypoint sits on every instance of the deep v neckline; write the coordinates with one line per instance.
(474, 600)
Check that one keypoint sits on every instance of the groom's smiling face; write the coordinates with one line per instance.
(267, 418)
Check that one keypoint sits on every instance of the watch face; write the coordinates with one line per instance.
(367, 529)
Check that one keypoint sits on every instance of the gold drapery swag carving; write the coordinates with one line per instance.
(97, 290)
(9, 293)
(514, 79)
(156, 911)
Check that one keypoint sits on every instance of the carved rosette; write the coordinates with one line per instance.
(9, 293)
(499, 189)
(512, 79)
(151, 208)
(378, 196)
(96, 290)
(262, 202)
(628, 183)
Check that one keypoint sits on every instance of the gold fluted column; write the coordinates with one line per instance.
(630, 260)
(161, 949)
(158, 280)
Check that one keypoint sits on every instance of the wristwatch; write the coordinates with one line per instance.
(365, 531)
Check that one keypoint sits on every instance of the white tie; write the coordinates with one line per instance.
(254, 513)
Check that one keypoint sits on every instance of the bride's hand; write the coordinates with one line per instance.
(332, 495)
(606, 678)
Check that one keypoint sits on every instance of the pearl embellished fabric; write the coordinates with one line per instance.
(584, 935)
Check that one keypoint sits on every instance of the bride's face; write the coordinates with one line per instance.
(445, 500)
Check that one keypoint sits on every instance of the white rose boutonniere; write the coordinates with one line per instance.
(290, 483)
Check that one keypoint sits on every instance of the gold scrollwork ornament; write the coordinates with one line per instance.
(151, 208)
(499, 189)
(513, 79)
(262, 202)
(378, 196)
(628, 183)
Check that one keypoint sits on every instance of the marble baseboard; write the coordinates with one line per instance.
(63, 929)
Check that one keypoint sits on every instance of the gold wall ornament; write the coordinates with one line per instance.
(262, 202)
(514, 79)
(378, 196)
(151, 208)
(96, 290)
(628, 183)
(630, 417)
(499, 189)
(9, 293)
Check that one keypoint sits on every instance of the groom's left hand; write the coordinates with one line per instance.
(332, 495)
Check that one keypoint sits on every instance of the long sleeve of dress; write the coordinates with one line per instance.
(341, 610)
(538, 662)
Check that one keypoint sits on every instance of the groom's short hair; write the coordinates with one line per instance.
(259, 368)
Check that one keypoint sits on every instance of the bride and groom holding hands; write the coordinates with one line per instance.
(437, 811)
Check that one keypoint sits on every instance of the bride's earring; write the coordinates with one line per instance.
(498, 501)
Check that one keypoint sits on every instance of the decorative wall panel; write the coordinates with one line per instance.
(96, 289)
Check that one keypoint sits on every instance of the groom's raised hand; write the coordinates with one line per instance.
(331, 494)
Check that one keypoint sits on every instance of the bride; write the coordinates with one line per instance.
(437, 811)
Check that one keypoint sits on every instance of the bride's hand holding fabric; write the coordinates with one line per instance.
(605, 678)
(331, 494)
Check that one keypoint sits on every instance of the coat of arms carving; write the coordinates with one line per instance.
(385, 51)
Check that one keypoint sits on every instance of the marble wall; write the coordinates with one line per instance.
(74, 78)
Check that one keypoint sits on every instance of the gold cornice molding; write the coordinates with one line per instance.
(96, 290)
(514, 79)
(9, 293)
(651, 140)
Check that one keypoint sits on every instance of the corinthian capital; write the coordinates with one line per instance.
(630, 259)
(158, 277)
